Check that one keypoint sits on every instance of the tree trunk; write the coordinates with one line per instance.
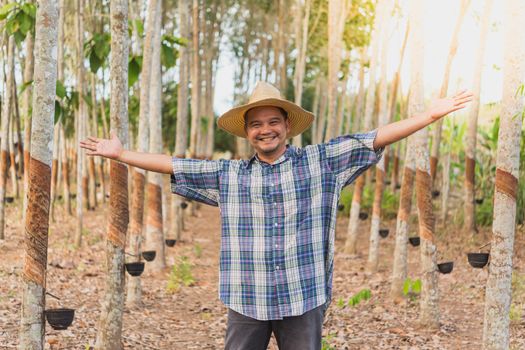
(26, 111)
(138, 175)
(195, 83)
(373, 252)
(472, 125)
(154, 227)
(32, 325)
(336, 20)
(444, 88)
(58, 126)
(4, 142)
(300, 63)
(94, 131)
(353, 223)
(399, 271)
(429, 313)
(110, 323)
(80, 123)
(182, 115)
(498, 290)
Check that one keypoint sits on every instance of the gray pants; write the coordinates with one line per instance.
(292, 333)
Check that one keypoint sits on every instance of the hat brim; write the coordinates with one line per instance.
(233, 120)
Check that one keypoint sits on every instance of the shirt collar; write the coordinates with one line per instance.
(290, 151)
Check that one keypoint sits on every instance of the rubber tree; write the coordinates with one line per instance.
(58, 125)
(81, 123)
(195, 82)
(444, 87)
(301, 44)
(498, 290)
(4, 142)
(373, 250)
(472, 124)
(181, 137)
(400, 267)
(429, 308)
(154, 222)
(110, 322)
(353, 222)
(139, 175)
(32, 325)
(336, 19)
(26, 95)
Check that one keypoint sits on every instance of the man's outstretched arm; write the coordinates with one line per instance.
(112, 149)
(393, 132)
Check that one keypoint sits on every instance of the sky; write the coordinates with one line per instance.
(439, 21)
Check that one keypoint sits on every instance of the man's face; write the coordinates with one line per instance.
(267, 130)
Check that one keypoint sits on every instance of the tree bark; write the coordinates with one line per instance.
(444, 88)
(4, 142)
(472, 125)
(81, 123)
(429, 308)
(110, 323)
(26, 111)
(32, 325)
(195, 83)
(182, 114)
(399, 271)
(373, 251)
(300, 63)
(154, 227)
(353, 223)
(336, 20)
(138, 175)
(498, 290)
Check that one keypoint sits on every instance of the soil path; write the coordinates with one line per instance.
(194, 318)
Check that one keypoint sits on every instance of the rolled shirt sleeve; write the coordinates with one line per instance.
(196, 179)
(349, 156)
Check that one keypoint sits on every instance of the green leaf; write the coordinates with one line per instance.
(94, 62)
(26, 22)
(406, 286)
(29, 9)
(58, 111)
(24, 87)
(6, 9)
(416, 286)
(60, 90)
(134, 67)
(168, 56)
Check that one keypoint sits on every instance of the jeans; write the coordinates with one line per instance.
(292, 333)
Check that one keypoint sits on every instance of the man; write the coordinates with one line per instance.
(278, 211)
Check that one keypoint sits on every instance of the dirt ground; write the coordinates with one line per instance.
(194, 318)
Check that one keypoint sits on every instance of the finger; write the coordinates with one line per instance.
(87, 146)
(463, 101)
(460, 92)
(93, 139)
(463, 94)
(91, 153)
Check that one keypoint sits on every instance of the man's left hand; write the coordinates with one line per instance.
(443, 106)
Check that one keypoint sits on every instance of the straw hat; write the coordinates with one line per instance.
(265, 94)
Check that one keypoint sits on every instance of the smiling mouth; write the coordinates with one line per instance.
(267, 139)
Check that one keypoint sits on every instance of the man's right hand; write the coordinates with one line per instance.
(111, 148)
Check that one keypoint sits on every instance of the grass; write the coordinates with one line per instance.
(180, 275)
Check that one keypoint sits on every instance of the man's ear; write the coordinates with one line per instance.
(288, 126)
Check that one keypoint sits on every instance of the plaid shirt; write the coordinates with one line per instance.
(278, 221)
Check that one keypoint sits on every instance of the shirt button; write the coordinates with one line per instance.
(277, 267)
(276, 224)
(276, 246)
(275, 203)
(272, 184)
